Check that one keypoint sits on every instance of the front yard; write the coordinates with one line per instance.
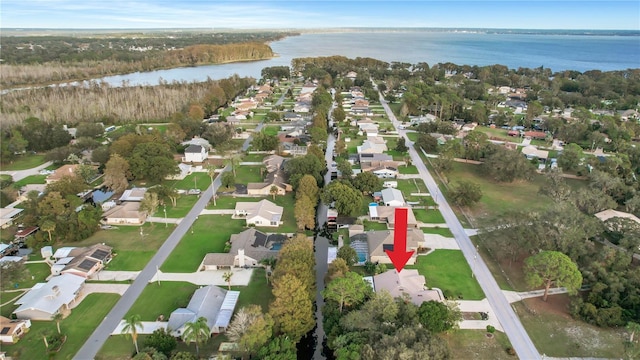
(428, 216)
(23, 162)
(449, 271)
(162, 299)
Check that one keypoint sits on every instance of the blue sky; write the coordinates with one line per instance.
(241, 14)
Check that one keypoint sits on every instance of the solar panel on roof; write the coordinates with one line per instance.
(87, 264)
(387, 247)
(100, 254)
(5, 330)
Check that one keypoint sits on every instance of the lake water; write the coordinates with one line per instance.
(557, 52)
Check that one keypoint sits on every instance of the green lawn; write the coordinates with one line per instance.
(210, 233)
(413, 136)
(229, 202)
(258, 291)
(132, 251)
(449, 271)
(438, 230)
(559, 335)
(31, 179)
(23, 162)
(253, 157)
(77, 327)
(408, 186)
(248, 174)
(428, 216)
(474, 344)
(499, 198)
(271, 129)
(183, 206)
(196, 180)
(411, 169)
(374, 225)
(162, 299)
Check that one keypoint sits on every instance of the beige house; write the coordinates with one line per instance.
(379, 241)
(64, 170)
(275, 177)
(84, 261)
(261, 213)
(409, 282)
(12, 330)
(248, 248)
(7, 215)
(387, 214)
(127, 213)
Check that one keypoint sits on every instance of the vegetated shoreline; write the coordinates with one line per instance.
(71, 82)
(17, 77)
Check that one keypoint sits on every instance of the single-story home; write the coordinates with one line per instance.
(532, 152)
(387, 214)
(370, 147)
(127, 213)
(407, 281)
(211, 302)
(7, 215)
(392, 197)
(47, 299)
(64, 170)
(195, 154)
(379, 241)
(261, 213)
(385, 172)
(84, 261)
(248, 248)
(12, 330)
(135, 194)
(275, 178)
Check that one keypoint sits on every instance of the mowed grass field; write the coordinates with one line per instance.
(448, 270)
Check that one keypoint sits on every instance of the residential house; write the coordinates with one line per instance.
(409, 282)
(469, 126)
(275, 177)
(248, 248)
(532, 152)
(392, 197)
(47, 299)
(610, 213)
(23, 234)
(308, 88)
(385, 172)
(214, 304)
(351, 75)
(293, 149)
(292, 116)
(387, 214)
(198, 141)
(7, 215)
(302, 107)
(135, 194)
(428, 118)
(195, 154)
(261, 213)
(536, 135)
(13, 330)
(372, 161)
(84, 261)
(127, 213)
(64, 170)
(368, 128)
(371, 147)
(379, 241)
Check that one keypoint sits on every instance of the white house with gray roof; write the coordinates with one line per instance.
(210, 302)
(47, 299)
(392, 197)
(261, 213)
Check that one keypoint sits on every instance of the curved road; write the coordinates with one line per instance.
(510, 322)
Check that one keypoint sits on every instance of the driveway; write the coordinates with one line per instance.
(21, 174)
(90, 288)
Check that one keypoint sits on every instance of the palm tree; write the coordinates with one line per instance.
(632, 327)
(233, 160)
(131, 326)
(44, 334)
(48, 226)
(227, 277)
(57, 318)
(197, 332)
(273, 191)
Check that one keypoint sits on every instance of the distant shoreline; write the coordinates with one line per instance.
(505, 31)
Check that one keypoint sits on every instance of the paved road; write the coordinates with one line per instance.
(104, 330)
(18, 175)
(518, 336)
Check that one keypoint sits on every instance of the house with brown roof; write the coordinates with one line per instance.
(248, 248)
(379, 241)
(84, 261)
(409, 282)
(387, 215)
(59, 173)
(13, 330)
(127, 213)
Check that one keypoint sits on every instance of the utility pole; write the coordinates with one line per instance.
(165, 216)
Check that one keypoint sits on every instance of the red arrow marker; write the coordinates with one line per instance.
(399, 255)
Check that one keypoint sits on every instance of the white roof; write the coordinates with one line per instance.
(373, 211)
(63, 252)
(7, 214)
(391, 194)
(11, 259)
(610, 213)
(3, 247)
(226, 310)
(49, 297)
